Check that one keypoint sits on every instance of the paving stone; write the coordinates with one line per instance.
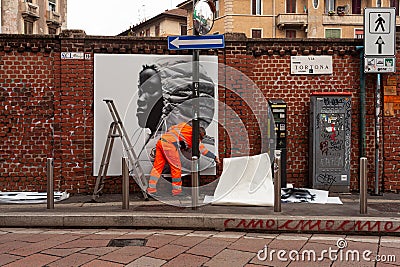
(7, 258)
(187, 260)
(61, 252)
(76, 259)
(176, 232)
(326, 238)
(12, 245)
(366, 239)
(146, 262)
(97, 263)
(33, 261)
(35, 247)
(84, 243)
(126, 255)
(319, 263)
(158, 240)
(229, 257)
(188, 241)
(203, 233)
(390, 255)
(209, 247)
(231, 235)
(250, 244)
(99, 251)
(287, 244)
(167, 252)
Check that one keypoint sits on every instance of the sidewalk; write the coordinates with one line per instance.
(383, 216)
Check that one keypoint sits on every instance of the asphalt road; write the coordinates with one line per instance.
(155, 247)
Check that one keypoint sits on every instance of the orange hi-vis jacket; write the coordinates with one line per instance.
(183, 132)
(167, 151)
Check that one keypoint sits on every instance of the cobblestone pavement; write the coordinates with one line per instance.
(152, 247)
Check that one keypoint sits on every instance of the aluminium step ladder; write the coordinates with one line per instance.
(117, 130)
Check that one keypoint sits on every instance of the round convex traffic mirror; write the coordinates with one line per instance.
(203, 16)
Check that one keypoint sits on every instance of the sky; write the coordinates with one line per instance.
(105, 17)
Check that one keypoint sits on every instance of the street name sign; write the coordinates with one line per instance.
(196, 42)
(379, 31)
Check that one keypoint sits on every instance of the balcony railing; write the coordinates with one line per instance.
(30, 10)
(292, 20)
(53, 18)
(347, 19)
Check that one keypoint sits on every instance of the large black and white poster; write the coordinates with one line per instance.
(152, 93)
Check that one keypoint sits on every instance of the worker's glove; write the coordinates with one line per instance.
(182, 145)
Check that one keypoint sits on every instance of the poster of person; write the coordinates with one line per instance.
(151, 94)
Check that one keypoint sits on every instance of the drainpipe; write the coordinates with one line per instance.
(274, 19)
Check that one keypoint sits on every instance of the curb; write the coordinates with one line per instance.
(249, 223)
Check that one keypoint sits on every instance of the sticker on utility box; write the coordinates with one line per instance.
(311, 65)
(379, 64)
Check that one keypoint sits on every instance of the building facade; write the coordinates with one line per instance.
(292, 18)
(33, 16)
(170, 22)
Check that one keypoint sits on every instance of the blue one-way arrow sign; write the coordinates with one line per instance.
(196, 42)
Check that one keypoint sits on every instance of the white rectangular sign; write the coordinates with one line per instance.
(311, 65)
(72, 55)
(379, 64)
(379, 31)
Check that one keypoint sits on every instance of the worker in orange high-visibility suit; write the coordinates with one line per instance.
(178, 136)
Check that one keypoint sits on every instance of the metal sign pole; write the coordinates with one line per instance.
(195, 120)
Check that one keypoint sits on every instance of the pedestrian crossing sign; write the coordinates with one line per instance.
(380, 31)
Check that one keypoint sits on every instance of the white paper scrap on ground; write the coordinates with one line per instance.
(30, 197)
(245, 181)
(334, 200)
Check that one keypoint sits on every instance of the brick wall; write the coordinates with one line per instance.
(47, 104)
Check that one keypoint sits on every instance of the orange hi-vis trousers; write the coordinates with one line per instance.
(166, 152)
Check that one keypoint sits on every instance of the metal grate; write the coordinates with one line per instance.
(139, 242)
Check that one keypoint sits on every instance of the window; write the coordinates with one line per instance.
(356, 6)
(290, 6)
(148, 32)
(183, 29)
(378, 3)
(359, 33)
(255, 33)
(52, 31)
(330, 5)
(256, 7)
(28, 27)
(290, 33)
(52, 5)
(216, 4)
(157, 30)
(315, 3)
(332, 33)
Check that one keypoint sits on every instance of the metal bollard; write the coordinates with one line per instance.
(50, 183)
(363, 185)
(195, 183)
(125, 184)
(277, 181)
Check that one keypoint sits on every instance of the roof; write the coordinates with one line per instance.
(185, 5)
(178, 13)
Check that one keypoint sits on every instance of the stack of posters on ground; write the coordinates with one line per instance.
(297, 195)
(30, 197)
(245, 181)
